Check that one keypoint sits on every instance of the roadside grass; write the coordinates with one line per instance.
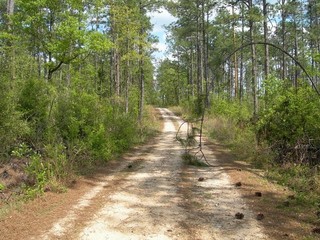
(177, 110)
(301, 179)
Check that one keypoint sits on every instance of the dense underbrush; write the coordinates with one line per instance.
(283, 139)
(59, 133)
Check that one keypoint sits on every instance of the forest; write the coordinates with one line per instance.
(251, 69)
(78, 81)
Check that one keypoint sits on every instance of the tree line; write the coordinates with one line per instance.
(262, 56)
(75, 79)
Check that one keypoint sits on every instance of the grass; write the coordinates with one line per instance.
(190, 159)
(177, 110)
(302, 180)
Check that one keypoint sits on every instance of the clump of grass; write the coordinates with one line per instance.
(193, 160)
(302, 179)
(177, 110)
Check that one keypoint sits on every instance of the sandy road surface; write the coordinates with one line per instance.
(158, 197)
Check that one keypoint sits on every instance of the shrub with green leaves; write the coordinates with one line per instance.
(230, 123)
(34, 99)
(12, 125)
(37, 170)
(290, 120)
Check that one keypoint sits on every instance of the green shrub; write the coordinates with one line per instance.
(33, 103)
(290, 120)
(124, 132)
(305, 181)
(12, 126)
(100, 144)
(58, 166)
(37, 171)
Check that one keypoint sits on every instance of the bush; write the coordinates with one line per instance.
(233, 110)
(12, 125)
(290, 121)
(305, 181)
(97, 126)
(100, 144)
(33, 103)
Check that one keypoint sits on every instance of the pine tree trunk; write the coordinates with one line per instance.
(283, 18)
(253, 67)
(141, 67)
(235, 60)
(265, 33)
(117, 71)
(10, 11)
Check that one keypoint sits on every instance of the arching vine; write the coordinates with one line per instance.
(190, 140)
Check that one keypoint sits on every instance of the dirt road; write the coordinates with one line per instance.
(153, 195)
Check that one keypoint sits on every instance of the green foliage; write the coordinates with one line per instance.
(123, 133)
(44, 171)
(305, 181)
(34, 107)
(20, 151)
(37, 171)
(97, 42)
(58, 166)
(194, 107)
(231, 109)
(100, 144)
(231, 124)
(12, 126)
(76, 114)
(96, 126)
(290, 120)
(171, 83)
(2, 187)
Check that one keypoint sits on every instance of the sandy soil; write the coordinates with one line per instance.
(150, 194)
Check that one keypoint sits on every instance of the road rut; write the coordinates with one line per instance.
(153, 195)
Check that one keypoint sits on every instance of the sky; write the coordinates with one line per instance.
(160, 19)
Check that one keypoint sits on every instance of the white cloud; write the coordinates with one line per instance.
(160, 19)
(162, 47)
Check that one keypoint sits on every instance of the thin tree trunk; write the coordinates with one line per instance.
(141, 66)
(295, 77)
(235, 60)
(265, 33)
(253, 67)
(283, 17)
(127, 82)
(10, 11)
(241, 53)
(117, 71)
(111, 73)
(141, 86)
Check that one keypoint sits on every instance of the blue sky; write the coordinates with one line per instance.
(159, 20)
